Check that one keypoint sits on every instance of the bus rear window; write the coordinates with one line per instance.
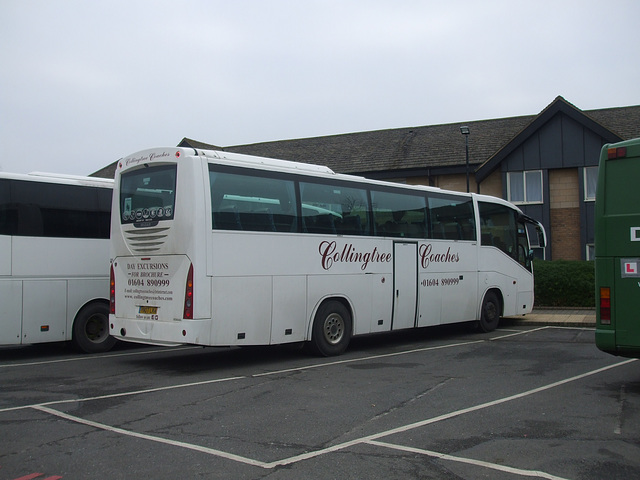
(148, 195)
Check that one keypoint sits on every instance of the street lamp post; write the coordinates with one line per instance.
(465, 131)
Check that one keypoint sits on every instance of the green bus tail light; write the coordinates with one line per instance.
(616, 152)
(605, 305)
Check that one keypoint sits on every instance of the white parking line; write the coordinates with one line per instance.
(360, 359)
(568, 327)
(153, 438)
(80, 358)
(446, 416)
(369, 439)
(217, 380)
(519, 332)
(537, 329)
(121, 394)
(479, 463)
(372, 439)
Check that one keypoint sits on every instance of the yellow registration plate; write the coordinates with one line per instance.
(148, 310)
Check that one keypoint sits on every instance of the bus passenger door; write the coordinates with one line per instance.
(405, 279)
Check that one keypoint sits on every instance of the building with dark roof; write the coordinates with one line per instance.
(545, 163)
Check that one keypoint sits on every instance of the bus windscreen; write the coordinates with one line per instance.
(148, 196)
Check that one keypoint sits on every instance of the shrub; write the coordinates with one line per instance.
(563, 283)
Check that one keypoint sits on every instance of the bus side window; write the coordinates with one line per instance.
(350, 225)
(437, 229)
(354, 208)
(42, 209)
(523, 246)
(498, 225)
(452, 218)
(227, 218)
(323, 223)
(8, 211)
(468, 227)
(252, 203)
(399, 214)
(29, 221)
(260, 220)
(332, 208)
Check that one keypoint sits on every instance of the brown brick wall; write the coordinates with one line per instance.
(492, 185)
(565, 234)
(564, 203)
(457, 183)
(417, 181)
(563, 189)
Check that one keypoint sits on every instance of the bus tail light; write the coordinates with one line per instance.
(616, 152)
(112, 291)
(188, 295)
(605, 305)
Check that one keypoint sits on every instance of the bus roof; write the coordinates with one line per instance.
(46, 177)
(307, 168)
(251, 161)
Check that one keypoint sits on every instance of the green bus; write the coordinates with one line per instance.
(617, 249)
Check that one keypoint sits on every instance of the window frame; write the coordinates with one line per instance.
(588, 198)
(130, 179)
(392, 222)
(247, 218)
(525, 200)
(335, 225)
(464, 217)
(590, 252)
(32, 208)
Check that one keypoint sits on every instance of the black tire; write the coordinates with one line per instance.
(490, 314)
(331, 329)
(91, 329)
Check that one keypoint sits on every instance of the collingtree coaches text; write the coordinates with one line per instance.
(330, 253)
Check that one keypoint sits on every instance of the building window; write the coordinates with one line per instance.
(590, 183)
(525, 187)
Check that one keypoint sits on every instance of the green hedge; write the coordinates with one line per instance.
(563, 283)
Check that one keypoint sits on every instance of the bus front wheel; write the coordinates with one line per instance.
(91, 329)
(490, 314)
(331, 329)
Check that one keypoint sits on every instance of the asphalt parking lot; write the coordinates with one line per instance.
(438, 403)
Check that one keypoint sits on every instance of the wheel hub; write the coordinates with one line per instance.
(333, 328)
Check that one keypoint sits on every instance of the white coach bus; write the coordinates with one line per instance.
(54, 260)
(216, 248)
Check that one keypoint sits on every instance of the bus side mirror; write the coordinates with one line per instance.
(542, 238)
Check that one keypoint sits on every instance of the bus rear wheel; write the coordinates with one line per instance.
(331, 329)
(91, 329)
(490, 314)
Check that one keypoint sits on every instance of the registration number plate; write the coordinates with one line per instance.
(148, 310)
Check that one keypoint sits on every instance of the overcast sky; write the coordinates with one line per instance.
(83, 83)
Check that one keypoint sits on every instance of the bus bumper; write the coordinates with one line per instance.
(606, 341)
(194, 332)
